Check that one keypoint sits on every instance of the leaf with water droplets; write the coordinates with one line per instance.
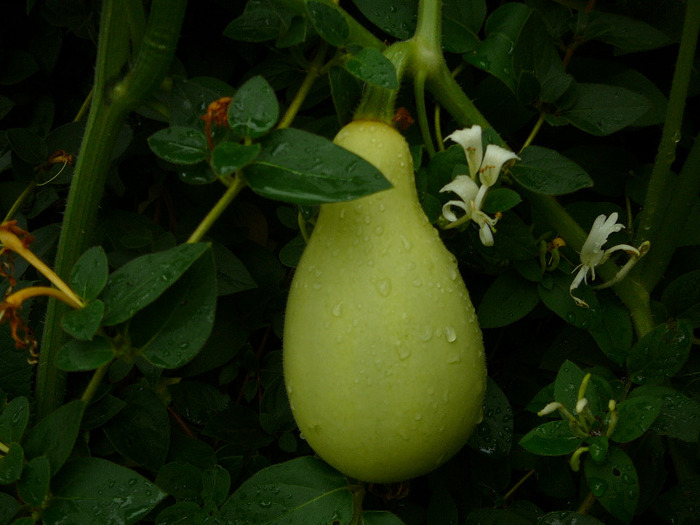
(303, 490)
(661, 353)
(89, 275)
(371, 66)
(548, 172)
(179, 145)
(679, 416)
(508, 299)
(494, 435)
(254, 109)
(615, 483)
(636, 415)
(555, 438)
(14, 419)
(93, 490)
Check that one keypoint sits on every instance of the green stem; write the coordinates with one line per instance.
(95, 381)
(20, 201)
(422, 114)
(111, 103)
(136, 18)
(311, 75)
(658, 196)
(233, 190)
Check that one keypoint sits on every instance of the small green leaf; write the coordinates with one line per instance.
(501, 199)
(231, 274)
(346, 91)
(55, 435)
(554, 438)
(14, 419)
(546, 171)
(173, 329)
(84, 322)
(89, 275)
(179, 145)
(299, 167)
(33, 487)
(27, 145)
(9, 507)
(636, 415)
(101, 411)
(661, 353)
(328, 21)
(598, 447)
(371, 66)
(627, 34)
(679, 416)
(228, 157)
(254, 109)
(612, 329)
(601, 109)
(141, 281)
(567, 384)
(507, 300)
(261, 20)
(555, 295)
(494, 435)
(682, 293)
(77, 356)
(182, 512)
(180, 480)
(395, 17)
(614, 482)
(11, 464)
(303, 490)
(379, 517)
(216, 483)
(93, 490)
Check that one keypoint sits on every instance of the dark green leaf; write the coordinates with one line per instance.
(11, 464)
(262, 20)
(197, 401)
(601, 109)
(346, 91)
(8, 507)
(372, 67)
(598, 447)
(555, 438)
(304, 490)
(231, 274)
(299, 167)
(84, 322)
(679, 416)
(228, 157)
(181, 480)
(89, 275)
(55, 435)
(682, 293)
(28, 146)
(141, 430)
(92, 491)
(179, 145)
(182, 513)
(171, 330)
(490, 516)
(442, 507)
(14, 419)
(254, 109)
(614, 482)
(275, 414)
(493, 436)
(501, 199)
(460, 23)
(99, 412)
(6, 105)
(627, 34)
(77, 356)
(557, 298)
(567, 384)
(567, 517)
(546, 171)
(196, 175)
(395, 17)
(636, 415)
(34, 485)
(142, 280)
(612, 329)
(661, 353)
(15, 373)
(216, 483)
(508, 299)
(379, 517)
(328, 21)
(291, 252)
(239, 426)
(17, 66)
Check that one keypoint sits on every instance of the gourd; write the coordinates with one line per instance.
(383, 356)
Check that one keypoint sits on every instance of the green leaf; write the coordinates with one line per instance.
(231, 274)
(395, 17)
(141, 430)
(261, 20)
(14, 419)
(33, 487)
(372, 67)
(197, 400)
(9, 507)
(11, 464)
(601, 109)
(682, 293)
(460, 23)
(17, 66)
(555, 296)
(142, 280)
(84, 322)
(567, 517)
(299, 167)
(55, 435)
(94, 491)
(636, 415)
(627, 34)
(216, 483)
(554, 438)
(27, 145)
(614, 482)
(179, 145)
(567, 384)
(228, 157)
(598, 447)
(346, 91)
(507, 300)
(172, 330)
(546, 171)
(180, 480)
(493, 436)
(328, 21)
(254, 110)
(303, 490)
(612, 329)
(6, 105)
(101, 411)
(379, 517)
(89, 274)
(75, 356)
(183, 512)
(661, 353)
(679, 416)
(501, 199)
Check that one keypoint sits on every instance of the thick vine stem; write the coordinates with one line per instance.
(112, 101)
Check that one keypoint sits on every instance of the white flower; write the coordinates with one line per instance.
(488, 166)
(592, 253)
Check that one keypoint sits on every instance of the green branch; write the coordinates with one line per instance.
(112, 101)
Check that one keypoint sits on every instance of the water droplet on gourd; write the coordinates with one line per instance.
(417, 282)
(337, 309)
(450, 334)
(454, 358)
(427, 335)
(383, 286)
(406, 243)
(379, 230)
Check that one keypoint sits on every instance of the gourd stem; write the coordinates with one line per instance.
(419, 90)
(311, 76)
(233, 190)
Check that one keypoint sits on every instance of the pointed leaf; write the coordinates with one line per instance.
(494, 435)
(254, 109)
(371, 66)
(546, 171)
(179, 145)
(55, 435)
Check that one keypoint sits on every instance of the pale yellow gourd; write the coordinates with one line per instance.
(383, 356)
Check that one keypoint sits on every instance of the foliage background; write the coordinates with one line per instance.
(176, 439)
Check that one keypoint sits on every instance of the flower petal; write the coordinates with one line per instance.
(449, 214)
(486, 235)
(463, 186)
(470, 140)
(493, 161)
